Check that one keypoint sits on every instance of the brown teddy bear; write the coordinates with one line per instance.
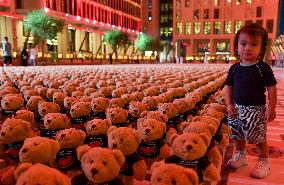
(116, 102)
(168, 174)
(13, 133)
(39, 150)
(135, 109)
(28, 173)
(189, 150)
(127, 141)
(32, 104)
(53, 122)
(100, 166)
(26, 115)
(118, 116)
(69, 140)
(10, 103)
(159, 116)
(58, 97)
(96, 131)
(43, 109)
(68, 102)
(99, 106)
(153, 135)
(80, 114)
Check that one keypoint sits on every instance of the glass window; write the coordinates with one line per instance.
(161, 30)
(258, 11)
(166, 7)
(206, 14)
(187, 3)
(228, 27)
(249, 1)
(188, 28)
(150, 4)
(150, 16)
(269, 26)
(238, 2)
(179, 28)
(217, 27)
(238, 25)
(178, 3)
(196, 14)
(178, 14)
(216, 2)
(197, 27)
(259, 22)
(206, 27)
(216, 13)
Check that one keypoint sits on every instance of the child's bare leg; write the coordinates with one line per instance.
(263, 150)
(240, 145)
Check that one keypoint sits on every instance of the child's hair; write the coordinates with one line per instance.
(255, 31)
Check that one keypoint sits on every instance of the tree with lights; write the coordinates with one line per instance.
(42, 27)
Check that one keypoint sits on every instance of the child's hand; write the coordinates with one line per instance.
(232, 111)
(270, 114)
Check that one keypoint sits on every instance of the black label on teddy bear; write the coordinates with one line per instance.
(78, 123)
(130, 160)
(124, 124)
(81, 179)
(98, 115)
(49, 133)
(66, 159)
(198, 165)
(13, 149)
(97, 141)
(149, 149)
(8, 113)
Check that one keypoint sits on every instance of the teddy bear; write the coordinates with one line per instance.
(13, 133)
(32, 103)
(88, 91)
(168, 174)
(100, 166)
(27, 173)
(199, 127)
(58, 97)
(189, 150)
(10, 103)
(43, 109)
(41, 91)
(68, 102)
(153, 145)
(39, 150)
(159, 116)
(69, 140)
(26, 115)
(127, 141)
(28, 93)
(96, 130)
(151, 101)
(135, 109)
(80, 114)
(50, 92)
(53, 122)
(116, 102)
(118, 116)
(99, 106)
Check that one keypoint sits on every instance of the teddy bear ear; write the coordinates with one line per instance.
(172, 138)
(205, 138)
(110, 129)
(81, 150)
(137, 136)
(184, 124)
(212, 129)
(119, 156)
(144, 113)
(23, 167)
(82, 134)
(192, 175)
(156, 165)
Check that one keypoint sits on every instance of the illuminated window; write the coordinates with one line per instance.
(238, 2)
(178, 14)
(150, 4)
(238, 25)
(178, 3)
(216, 2)
(166, 7)
(188, 28)
(150, 16)
(196, 14)
(166, 31)
(216, 13)
(228, 27)
(197, 27)
(206, 27)
(258, 11)
(161, 30)
(179, 28)
(217, 27)
(249, 1)
(259, 22)
(187, 3)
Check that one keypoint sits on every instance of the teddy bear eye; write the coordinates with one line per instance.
(105, 163)
(174, 181)
(91, 161)
(11, 128)
(35, 144)
(159, 179)
(194, 141)
(121, 140)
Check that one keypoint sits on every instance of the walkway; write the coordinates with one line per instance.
(276, 143)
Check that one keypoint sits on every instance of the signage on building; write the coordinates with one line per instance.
(5, 2)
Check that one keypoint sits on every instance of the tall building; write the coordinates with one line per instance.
(208, 27)
(85, 22)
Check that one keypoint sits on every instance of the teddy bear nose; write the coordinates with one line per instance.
(24, 150)
(189, 147)
(49, 121)
(6, 103)
(147, 130)
(3, 133)
(54, 99)
(63, 135)
(94, 171)
(72, 110)
(93, 126)
(114, 146)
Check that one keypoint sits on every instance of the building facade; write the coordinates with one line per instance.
(208, 27)
(85, 23)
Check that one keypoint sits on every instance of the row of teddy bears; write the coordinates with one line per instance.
(193, 142)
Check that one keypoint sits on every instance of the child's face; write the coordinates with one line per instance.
(249, 47)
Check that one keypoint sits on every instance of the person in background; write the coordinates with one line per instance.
(24, 57)
(110, 58)
(7, 52)
(246, 84)
(33, 54)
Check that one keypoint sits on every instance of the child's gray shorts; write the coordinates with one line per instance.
(250, 124)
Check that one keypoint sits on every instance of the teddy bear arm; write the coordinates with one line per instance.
(165, 151)
(211, 173)
(140, 170)
(215, 156)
